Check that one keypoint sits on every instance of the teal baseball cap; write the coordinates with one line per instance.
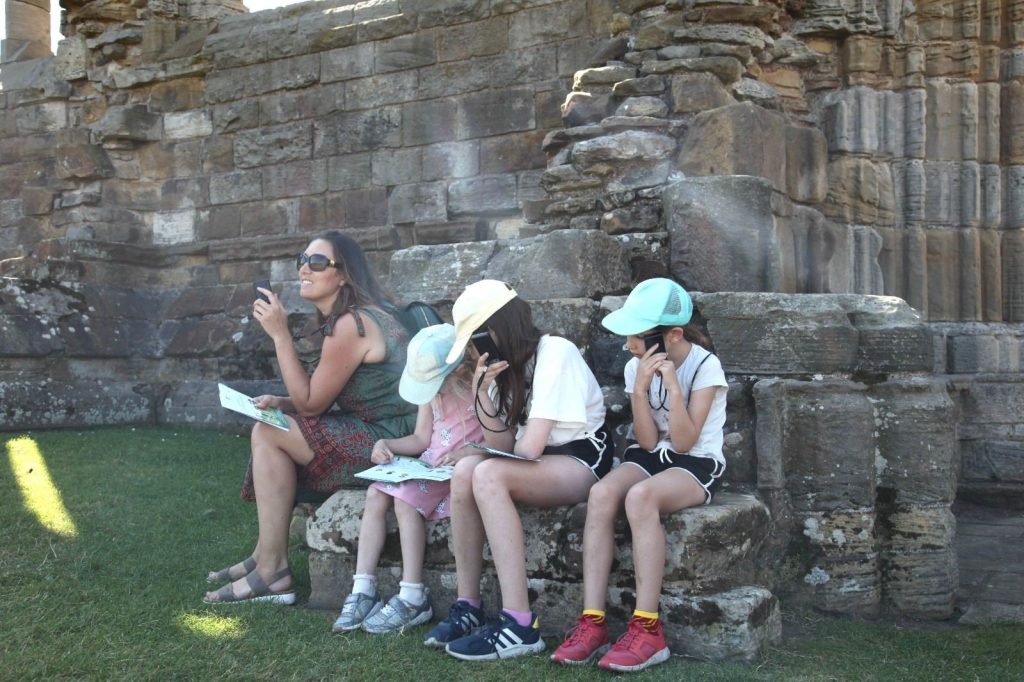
(425, 366)
(657, 302)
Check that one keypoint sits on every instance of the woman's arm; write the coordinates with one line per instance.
(340, 356)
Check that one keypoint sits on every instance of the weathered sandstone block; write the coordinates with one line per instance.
(917, 455)
(834, 557)
(45, 403)
(708, 546)
(780, 334)
(735, 625)
(561, 264)
(921, 584)
(723, 235)
(815, 439)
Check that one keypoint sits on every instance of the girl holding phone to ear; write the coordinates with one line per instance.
(678, 392)
(542, 402)
(335, 414)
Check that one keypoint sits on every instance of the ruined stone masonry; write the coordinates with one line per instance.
(840, 180)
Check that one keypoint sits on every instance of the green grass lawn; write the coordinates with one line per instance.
(106, 536)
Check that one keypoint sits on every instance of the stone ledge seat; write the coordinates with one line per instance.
(711, 610)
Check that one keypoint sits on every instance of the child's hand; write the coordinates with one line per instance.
(669, 379)
(455, 455)
(381, 453)
(651, 363)
(488, 372)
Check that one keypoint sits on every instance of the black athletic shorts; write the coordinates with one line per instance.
(706, 471)
(595, 452)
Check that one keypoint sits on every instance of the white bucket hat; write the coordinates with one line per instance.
(425, 364)
(474, 307)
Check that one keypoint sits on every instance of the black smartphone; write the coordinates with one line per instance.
(654, 340)
(261, 284)
(483, 343)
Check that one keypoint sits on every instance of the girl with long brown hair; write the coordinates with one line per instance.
(536, 399)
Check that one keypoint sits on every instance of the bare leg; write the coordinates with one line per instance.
(412, 532)
(498, 485)
(372, 530)
(467, 529)
(665, 493)
(274, 456)
(603, 506)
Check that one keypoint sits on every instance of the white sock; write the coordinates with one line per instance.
(363, 583)
(412, 593)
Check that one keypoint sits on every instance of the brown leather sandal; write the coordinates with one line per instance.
(259, 591)
(224, 575)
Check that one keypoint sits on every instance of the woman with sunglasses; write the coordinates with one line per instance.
(535, 398)
(361, 361)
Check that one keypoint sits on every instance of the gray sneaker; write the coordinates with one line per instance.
(397, 615)
(357, 608)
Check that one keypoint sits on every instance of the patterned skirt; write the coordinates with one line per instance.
(341, 447)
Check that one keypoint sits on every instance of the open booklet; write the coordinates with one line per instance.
(240, 402)
(406, 469)
(500, 453)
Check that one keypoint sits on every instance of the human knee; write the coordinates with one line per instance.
(259, 435)
(404, 510)
(488, 479)
(640, 502)
(462, 478)
(603, 500)
(376, 500)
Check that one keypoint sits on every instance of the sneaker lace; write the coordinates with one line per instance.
(635, 630)
(578, 634)
(350, 606)
(490, 632)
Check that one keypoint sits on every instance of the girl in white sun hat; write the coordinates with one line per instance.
(677, 391)
(535, 397)
(444, 424)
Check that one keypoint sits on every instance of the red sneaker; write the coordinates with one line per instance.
(639, 648)
(583, 642)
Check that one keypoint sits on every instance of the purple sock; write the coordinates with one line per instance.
(524, 618)
(475, 603)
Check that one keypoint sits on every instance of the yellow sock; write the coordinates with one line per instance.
(596, 616)
(649, 619)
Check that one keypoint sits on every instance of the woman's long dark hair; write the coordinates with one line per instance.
(517, 339)
(361, 286)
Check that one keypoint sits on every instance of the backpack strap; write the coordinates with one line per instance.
(694, 377)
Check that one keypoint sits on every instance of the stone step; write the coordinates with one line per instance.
(557, 265)
(709, 548)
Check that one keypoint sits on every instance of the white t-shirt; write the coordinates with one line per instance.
(709, 443)
(564, 390)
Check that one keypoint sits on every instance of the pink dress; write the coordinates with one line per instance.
(454, 423)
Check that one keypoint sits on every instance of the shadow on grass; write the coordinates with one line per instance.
(156, 508)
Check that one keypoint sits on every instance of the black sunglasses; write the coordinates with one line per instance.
(317, 262)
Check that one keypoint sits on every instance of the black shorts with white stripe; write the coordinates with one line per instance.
(593, 451)
(705, 470)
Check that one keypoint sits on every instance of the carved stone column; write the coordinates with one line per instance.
(27, 30)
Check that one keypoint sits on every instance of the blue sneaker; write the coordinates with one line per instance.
(504, 639)
(462, 619)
